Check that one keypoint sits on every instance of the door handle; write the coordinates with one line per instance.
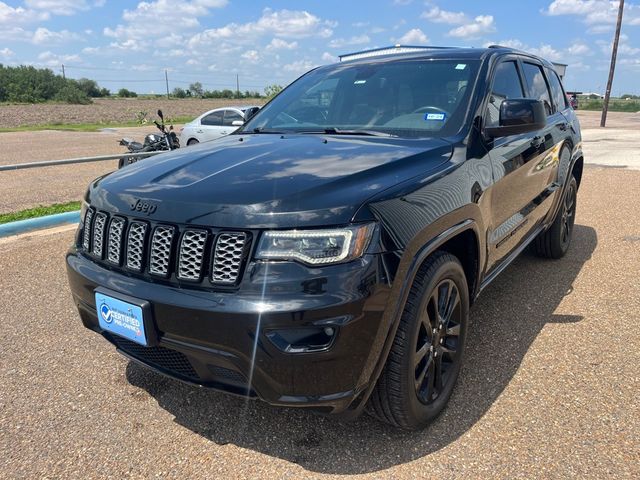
(199, 131)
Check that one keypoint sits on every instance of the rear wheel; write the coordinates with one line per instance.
(192, 141)
(126, 161)
(426, 355)
(555, 241)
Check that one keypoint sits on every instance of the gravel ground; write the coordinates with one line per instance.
(104, 110)
(549, 388)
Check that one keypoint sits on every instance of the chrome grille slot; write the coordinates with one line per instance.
(86, 234)
(98, 233)
(135, 245)
(161, 250)
(114, 246)
(227, 258)
(191, 254)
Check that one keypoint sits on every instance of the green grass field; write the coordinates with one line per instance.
(88, 127)
(39, 211)
(615, 105)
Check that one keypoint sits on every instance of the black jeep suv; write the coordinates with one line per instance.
(327, 253)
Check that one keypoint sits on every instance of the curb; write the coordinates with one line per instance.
(22, 226)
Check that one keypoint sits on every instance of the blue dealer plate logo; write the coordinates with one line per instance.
(121, 318)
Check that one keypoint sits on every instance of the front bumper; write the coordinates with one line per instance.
(233, 341)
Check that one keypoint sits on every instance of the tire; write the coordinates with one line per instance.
(193, 141)
(407, 394)
(555, 241)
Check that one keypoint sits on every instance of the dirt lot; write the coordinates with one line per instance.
(549, 388)
(109, 110)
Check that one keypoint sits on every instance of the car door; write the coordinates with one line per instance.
(231, 116)
(210, 126)
(518, 197)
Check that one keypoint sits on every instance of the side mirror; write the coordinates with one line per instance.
(160, 115)
(237, 123)
(518, 115)
(250, 113)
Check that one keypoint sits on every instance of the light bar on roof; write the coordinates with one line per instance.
(385, 51)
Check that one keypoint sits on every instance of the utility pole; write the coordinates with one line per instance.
(237, 87)
(63, 76)
(614, 53)
(166, 79)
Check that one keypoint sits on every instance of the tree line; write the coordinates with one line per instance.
(28, 84)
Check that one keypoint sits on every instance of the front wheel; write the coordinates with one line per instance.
(554, 242)
(426, 355)
(193, 141)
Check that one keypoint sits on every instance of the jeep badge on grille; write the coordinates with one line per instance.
(147, 208)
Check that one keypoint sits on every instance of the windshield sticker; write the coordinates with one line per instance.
(435, 116)
(461, 66)
(359, 82)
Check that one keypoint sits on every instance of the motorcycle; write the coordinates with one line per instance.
(152, 142)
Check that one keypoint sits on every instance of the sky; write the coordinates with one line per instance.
(130, 44)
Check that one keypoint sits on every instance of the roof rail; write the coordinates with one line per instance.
(388, 51)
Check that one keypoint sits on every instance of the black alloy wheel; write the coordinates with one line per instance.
(427, 352)
(555, 241)
(437, 341)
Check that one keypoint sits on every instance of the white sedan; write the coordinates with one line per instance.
(215, 124)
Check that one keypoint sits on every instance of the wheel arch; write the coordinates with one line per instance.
(453, 239)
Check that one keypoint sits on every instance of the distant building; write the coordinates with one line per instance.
(561, 69)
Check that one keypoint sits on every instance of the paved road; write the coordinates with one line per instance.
(615, 146)
(549, 389)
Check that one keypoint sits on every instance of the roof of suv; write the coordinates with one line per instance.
(411, 52)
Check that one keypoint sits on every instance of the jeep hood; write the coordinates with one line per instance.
(267, 180)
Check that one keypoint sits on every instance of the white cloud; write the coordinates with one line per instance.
(279, 44)
(623, 47)
(327, 57)
(344, 42)
(414, 36)
(438, 15)
(11, 16)
(58, 7)
(6, 53)
(578, 49)
(44, 36)
(599, 14)
(281, 23)
(481, 25)
(168, 19)
(51, 59)
(251, 55)
(299, 66)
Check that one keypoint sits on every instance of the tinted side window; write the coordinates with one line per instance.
(231, 116)
(537, 85)
(214, 118)
(559, 98)
(506, 84)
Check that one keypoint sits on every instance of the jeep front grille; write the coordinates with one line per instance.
(114, 249)
(201, 255)
(98, 233)
(228, 257)
(161, 250)
(86, 234)
(135, 245)
(191, 254)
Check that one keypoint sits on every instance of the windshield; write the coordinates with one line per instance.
(412, 98)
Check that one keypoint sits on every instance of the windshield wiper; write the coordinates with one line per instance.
(370, 133)
(264, 130)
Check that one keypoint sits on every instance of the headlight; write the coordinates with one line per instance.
(315, 247)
